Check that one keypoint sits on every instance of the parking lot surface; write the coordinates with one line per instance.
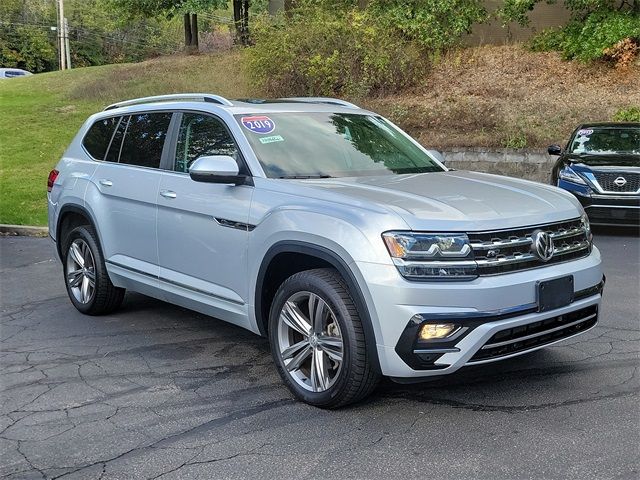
(156, 391)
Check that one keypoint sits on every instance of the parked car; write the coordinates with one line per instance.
(601, 167)
(325, 228)
(13, 73)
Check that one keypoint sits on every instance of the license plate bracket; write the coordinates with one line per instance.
(556, 293)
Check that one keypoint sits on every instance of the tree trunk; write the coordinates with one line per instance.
(187, 31)
(237, 19)
(241, 21)
(245, 22)
(194, 32)
(191, 33)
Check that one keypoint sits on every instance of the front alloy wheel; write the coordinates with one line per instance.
(310, 341)
(318, 342)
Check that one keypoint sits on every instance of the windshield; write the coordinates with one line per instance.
(606, 140)
(324, 144)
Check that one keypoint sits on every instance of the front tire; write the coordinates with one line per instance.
(88, 284)
(317, 340)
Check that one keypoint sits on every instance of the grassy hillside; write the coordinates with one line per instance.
(39, 116)
(479, 97)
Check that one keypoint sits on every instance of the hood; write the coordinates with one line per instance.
(613, 160)
(457, 200)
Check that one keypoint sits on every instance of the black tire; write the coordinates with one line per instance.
(106, 297)
(357, 378)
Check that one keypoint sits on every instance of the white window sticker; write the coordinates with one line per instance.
(271, 139)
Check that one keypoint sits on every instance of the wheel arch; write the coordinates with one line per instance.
(72, 216)
(311, 256)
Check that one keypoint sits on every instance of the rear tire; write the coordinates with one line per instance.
(317, 340)
(85, 274)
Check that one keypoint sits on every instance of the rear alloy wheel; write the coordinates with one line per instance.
(85, 274)
(317, 340)
(81, 271)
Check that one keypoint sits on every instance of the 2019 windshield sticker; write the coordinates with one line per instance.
(585, 132)
(271, 139)
(258, 124)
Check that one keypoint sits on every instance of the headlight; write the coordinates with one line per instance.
(431, 256)
(426, 246)
(569, 175)
(587, 227)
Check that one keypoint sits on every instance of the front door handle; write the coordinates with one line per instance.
(168, 194)
(106, 183)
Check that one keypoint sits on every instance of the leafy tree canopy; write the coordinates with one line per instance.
(167, 7)
(518, 10)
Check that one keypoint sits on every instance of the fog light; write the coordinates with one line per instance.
(432, 331)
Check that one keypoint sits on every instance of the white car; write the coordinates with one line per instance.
(324, 227)
(13, 73)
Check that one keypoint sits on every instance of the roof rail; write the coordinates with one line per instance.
(199, 97)
(328, 100)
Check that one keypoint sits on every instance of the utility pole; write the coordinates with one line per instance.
(62, 35)
(66, 43)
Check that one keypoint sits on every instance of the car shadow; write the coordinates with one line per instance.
(466, 387)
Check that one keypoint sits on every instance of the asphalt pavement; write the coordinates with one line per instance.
(156, 391)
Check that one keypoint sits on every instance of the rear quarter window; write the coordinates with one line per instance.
(97, 139)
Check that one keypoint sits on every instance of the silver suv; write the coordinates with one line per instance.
(324, 227)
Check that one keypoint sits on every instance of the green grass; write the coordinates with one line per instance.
(39, 116)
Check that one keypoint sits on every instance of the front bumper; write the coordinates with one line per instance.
(484, 306)
(609, 209)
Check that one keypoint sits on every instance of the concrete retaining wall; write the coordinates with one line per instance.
(529, 164)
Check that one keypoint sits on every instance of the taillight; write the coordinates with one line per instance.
(53, 174)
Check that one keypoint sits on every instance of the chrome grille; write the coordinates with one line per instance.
(607, 181)
(511, 250)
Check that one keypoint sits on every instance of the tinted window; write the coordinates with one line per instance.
(144, 139)
(116, 141)
(13, 73)
(98, 137)
(202, 135)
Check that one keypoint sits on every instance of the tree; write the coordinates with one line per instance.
(518, 10)
(171, 8)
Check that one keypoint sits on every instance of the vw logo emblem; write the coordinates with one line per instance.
(542, 245)
(620, 181)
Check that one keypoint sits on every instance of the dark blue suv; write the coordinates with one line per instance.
(601, 167)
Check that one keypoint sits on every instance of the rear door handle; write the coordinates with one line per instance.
(106, 183)
(168, 194)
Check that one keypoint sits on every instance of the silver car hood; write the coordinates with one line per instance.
(458, 200)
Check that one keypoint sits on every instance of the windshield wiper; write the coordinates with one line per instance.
(304, 177)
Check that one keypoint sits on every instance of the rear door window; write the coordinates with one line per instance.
(116, 142)
(144, 139)
(97, 139)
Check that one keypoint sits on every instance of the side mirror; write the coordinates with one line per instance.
(554, 150)
(216, 169)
